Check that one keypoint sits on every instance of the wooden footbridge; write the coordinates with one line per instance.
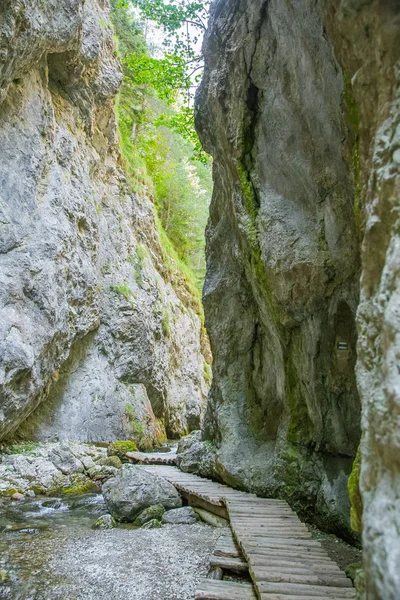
(268, 541)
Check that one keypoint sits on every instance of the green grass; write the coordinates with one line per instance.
(124, 290)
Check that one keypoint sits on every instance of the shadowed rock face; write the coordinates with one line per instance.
(283, 267)
(84, 294)
(299, 107)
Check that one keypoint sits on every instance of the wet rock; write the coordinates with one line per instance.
(180, 516)
(104, 522)
(132, 490)
(153, 512)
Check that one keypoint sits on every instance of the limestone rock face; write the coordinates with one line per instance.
(133, 490)
(84, 293)
(283, 256)
(299, 107)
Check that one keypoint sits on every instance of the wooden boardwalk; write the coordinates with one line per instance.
(283, 560)
(152, 458)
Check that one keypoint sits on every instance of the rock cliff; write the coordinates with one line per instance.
(96, 333)
(299, 107)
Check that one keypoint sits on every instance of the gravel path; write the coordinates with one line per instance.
(122, 564)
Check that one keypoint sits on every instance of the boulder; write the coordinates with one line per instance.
(180, 516)
(65, 461)
(153, 512)
(153, 524)
(133, 490)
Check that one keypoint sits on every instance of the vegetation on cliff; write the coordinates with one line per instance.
(159, 145)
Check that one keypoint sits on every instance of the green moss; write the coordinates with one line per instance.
(356, 509)
(124, 290)
(130, 412)
(207, 373)
(86, 487)
(165, 323)
(120, 448)
(110, 461)
(250, 203)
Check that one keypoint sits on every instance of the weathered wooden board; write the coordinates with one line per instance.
(237, 565)
(285, 563)
(150, 458)
(209, 589)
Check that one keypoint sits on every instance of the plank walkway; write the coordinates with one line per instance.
(283, 560)
(152, 458)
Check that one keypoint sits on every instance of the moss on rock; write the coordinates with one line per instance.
(120, 448)
(355, 494)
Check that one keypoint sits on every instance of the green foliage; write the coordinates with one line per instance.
(124, 290)
(22, 448)
(157, 158)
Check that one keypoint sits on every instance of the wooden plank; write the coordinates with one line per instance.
(261, 574)
(237, 565)
(209, 589)
(275, 596)
(301, 565)
(226, 546)
(307, 591)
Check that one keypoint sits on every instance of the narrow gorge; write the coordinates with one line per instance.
(103, 338)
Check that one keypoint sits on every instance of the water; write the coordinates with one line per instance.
(31, 532)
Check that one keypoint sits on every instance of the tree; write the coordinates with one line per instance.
(179, 72)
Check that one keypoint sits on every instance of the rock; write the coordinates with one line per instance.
(18, 496)
(283, 267)
(111, 461)
(84, 289)
(104, 522)
(133, 489)
(64, 460)
(187, 442)
(153, 524)
(102, 472)
(210, 518)
(119, 449)
(180, 516)
(153, 512)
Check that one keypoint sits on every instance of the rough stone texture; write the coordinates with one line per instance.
(52, 469)
(180, 516)
(300, 108)
(132, 490)
(83, 289)
(282, 256)
(368, 46)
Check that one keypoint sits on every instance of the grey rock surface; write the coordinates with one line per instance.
(83, 287)
(282, 287)
(52, 469)
(180, 516)
(300, 109)
(133, 489)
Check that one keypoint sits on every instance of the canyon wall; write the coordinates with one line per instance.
(98, 338)
(299, 107)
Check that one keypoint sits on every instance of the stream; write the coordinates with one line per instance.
(49, 551)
